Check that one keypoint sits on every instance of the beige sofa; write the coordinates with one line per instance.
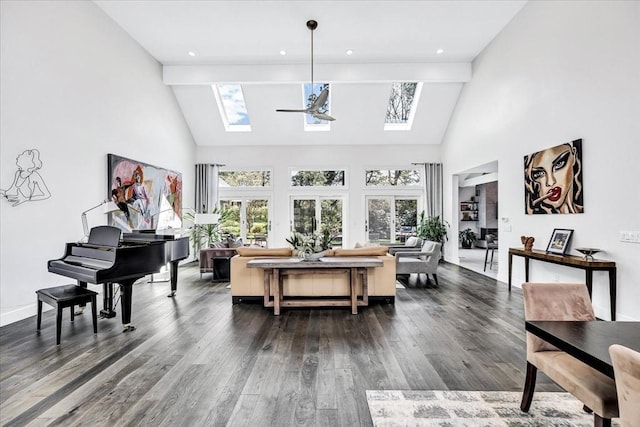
(248, 283)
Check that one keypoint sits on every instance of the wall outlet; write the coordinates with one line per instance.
(630, 236)
(556, 278)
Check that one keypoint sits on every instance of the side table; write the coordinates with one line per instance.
(217, 261)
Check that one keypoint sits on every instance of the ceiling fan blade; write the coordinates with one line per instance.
(323, 116)
(292, 111)
(320, 100)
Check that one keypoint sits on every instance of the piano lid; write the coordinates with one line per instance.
(151, 234)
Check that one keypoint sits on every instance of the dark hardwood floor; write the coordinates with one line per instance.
(197, 360)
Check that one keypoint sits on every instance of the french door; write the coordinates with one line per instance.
(246, 218)
(313, 213)
(391, 219)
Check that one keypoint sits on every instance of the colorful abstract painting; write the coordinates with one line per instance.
(553, 180)
(148, 197)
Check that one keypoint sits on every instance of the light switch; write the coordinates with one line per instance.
(630, 236)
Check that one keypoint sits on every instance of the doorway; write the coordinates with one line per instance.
(247, 218)
(391, 219)
(316, 213)
(478, 214)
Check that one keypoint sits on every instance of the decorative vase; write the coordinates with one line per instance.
(316, 256)
(303, 254)
(528, 242)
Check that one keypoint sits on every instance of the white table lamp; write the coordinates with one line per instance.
(107, 205)
(204, 219)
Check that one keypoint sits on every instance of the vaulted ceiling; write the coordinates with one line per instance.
(240, 42)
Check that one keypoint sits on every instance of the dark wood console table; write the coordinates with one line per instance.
(589, 266)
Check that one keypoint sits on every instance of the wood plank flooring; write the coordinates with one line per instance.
(198, 360)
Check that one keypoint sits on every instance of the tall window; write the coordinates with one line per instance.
(315, 213)
(391, 219)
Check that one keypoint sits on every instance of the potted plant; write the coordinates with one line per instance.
(433, 228)
(205, 234)
(312, 245)
(467, 238)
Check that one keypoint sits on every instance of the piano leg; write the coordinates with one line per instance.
(126, 293)
(107, 301)
(82, 306)
(173, 269)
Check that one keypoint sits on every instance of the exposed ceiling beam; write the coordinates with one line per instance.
(482, 179)
(451, 72)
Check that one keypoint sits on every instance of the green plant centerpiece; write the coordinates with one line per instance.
(467, 238)
(432, 228)
(310, 245)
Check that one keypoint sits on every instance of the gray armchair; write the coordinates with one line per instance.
(423, 262)
(412, 243)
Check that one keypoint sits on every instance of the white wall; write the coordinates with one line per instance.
(74, 86)
(558, 72)
(355, 159)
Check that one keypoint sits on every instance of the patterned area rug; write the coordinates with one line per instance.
(394, 408)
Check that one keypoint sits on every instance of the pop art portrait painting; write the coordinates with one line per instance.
(553, 180)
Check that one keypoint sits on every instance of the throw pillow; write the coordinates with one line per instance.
(368, 251)
(249, 252)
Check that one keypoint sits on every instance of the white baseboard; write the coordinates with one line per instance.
(22, 313)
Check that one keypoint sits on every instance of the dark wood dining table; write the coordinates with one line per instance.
(588, 341)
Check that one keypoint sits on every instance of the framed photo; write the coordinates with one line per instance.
(559, 242)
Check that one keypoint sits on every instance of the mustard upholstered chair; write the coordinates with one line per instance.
(565, 301)
(626, 367)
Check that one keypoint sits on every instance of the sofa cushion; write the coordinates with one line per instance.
(249, 251)
(368, 251)
(412, 241)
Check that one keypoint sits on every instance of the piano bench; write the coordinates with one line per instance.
(67, 296)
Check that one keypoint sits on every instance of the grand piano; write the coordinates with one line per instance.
(175, 250)
(107, 259)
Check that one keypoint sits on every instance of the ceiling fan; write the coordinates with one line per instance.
(318, 103)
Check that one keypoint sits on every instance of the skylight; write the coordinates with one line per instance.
(233, 110)
(311, 123)
(403, 102)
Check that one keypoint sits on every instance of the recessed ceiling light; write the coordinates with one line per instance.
(349, 52)
(283, 52)
(439, 51)
(192, 54)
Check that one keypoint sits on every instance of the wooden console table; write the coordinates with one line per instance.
(589, 266)
(277, 268)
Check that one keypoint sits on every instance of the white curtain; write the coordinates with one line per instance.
(207, 193)
(433, 189)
